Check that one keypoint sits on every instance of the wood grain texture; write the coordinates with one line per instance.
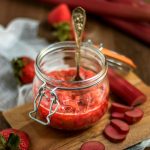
(52, 139)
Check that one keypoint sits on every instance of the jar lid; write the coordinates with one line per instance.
(118, 61)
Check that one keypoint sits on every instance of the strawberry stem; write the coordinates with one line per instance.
(62, 31)
(11, 144)
(2, 142)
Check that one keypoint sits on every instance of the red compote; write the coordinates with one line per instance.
(79, 108)
(61, 102)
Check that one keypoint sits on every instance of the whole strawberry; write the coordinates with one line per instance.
(24, 69)
(13, 139)
(59, 14)
(60, 20)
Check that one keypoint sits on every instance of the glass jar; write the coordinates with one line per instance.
(61, 102)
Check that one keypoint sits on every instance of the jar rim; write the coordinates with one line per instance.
(71, 44)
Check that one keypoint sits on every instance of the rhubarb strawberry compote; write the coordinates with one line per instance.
(61, 102)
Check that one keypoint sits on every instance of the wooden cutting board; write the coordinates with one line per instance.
(46, 138)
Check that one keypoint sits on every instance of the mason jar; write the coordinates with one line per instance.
(59, 100)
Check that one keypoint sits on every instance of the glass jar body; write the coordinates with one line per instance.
(81, 104)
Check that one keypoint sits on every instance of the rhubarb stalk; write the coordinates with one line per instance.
(105, 8)
(134, 3)
(138, 30)
(124, 90)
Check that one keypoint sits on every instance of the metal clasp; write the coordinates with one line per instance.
(101, 46)
(39, 97)
(89, 42)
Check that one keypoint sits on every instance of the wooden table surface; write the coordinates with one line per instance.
(98, 31)
(51, 139)
(111, 37)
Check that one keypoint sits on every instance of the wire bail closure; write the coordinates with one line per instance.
(39, 97)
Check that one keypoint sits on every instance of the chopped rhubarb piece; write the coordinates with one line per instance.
(117, 115)
(134, 115)
(116, 107)
(92, 145)
(124, 90)
(120, 125)
(113, 135)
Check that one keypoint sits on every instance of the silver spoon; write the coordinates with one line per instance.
(78, 19)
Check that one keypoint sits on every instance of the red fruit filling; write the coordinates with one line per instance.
(78, 108)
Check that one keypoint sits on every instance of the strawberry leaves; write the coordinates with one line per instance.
(13, 139)
(62, 31)
(17, 65)
(2, 142)
(11, 144)
(23, 69)
(59, 19)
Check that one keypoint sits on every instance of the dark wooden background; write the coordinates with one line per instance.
(97, 30)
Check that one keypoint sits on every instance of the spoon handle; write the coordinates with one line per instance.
(78, 19)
